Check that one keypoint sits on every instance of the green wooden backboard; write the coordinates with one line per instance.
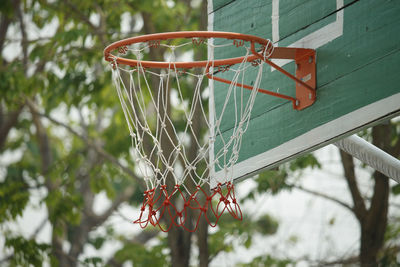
(358, 73)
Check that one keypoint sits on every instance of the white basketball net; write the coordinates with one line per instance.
(166, 113)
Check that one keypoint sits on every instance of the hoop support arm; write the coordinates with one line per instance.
(305, 78)
(264, 91)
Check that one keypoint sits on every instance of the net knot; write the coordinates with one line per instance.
(191, 167)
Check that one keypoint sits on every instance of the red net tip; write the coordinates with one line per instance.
(163, 210)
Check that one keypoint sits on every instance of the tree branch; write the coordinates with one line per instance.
(319, 194)
(98, 148)
(348, 166)
(7, 125)
(97, 30)
(4, 23)
(6, 258)
(377, 213)
(43, 140)
(126, 194)
(81, 16)
(39, 228)
(23, 33)
(47, 160)
(347, 261)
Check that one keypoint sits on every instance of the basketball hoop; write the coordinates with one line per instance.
(164, 123)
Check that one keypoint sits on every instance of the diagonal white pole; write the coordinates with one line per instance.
(371, 155)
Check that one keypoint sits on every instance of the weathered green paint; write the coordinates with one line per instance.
(356, 69)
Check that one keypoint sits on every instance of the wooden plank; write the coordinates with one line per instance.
(296, 15)
(218, 4)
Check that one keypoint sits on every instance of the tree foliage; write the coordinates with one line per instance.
(62, 121)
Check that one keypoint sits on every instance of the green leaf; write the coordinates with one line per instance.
(267, 225)
(303, 162)
(248, 242)
(14, 194)
(396, 189)
(93, 261)
(27, 252)
(271, 181)
(97, 242)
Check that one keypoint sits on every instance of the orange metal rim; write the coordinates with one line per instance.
(184, 34)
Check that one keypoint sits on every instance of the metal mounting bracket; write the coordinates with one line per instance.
(305, 79)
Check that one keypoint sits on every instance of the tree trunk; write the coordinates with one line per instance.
(202, 241)
(374, 226)
(373, 221)
(202, 231)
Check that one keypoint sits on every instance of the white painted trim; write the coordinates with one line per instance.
(275, 21)
(315, 39)
(211, 103)
(210, 18)
(317, 137)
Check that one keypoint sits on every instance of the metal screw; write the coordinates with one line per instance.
(310, 96)
(297, 102)
(310, 59)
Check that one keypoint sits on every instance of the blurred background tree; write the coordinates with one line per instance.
(64, 143)
(63, 136)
